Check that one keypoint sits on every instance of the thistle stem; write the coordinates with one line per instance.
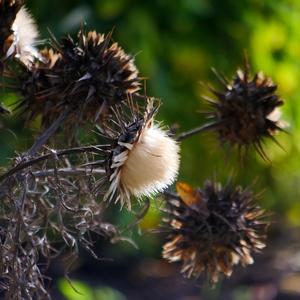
(48, 133)
(185, 135)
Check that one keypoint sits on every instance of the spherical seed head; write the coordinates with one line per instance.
(152, 164)
(247, 111)
(111, 71)
(86, 78)
(144, 160)
(216, 230)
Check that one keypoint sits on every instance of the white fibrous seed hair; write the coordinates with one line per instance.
(24, 38)
(152, 164)
(148, 162)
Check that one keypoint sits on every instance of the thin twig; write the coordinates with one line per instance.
(34, 161)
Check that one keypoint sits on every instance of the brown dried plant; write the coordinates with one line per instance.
(57, 193)
(47, 207)
(48, 199)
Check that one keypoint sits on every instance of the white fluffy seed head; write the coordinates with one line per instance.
(25, 35)
(152, 164)
(144, 162)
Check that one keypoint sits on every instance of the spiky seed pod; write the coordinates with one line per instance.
(247, 111)
(142, 159)
(213, 229)
(85, 78)
(18, 33)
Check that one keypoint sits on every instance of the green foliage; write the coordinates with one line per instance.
(84, 291)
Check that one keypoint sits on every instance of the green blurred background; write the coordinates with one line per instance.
(178, 42)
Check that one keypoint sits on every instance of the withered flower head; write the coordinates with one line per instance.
(84, 78)
(247, 111)
(213, 229)
(18, 33)
(142, 160)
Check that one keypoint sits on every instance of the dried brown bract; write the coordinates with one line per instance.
(213, 229)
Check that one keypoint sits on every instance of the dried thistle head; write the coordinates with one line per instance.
(247, 111)
(142, 159)
(213, 229)
(84, 78)
(18, 33)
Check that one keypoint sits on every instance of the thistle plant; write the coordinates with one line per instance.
(58, 192)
